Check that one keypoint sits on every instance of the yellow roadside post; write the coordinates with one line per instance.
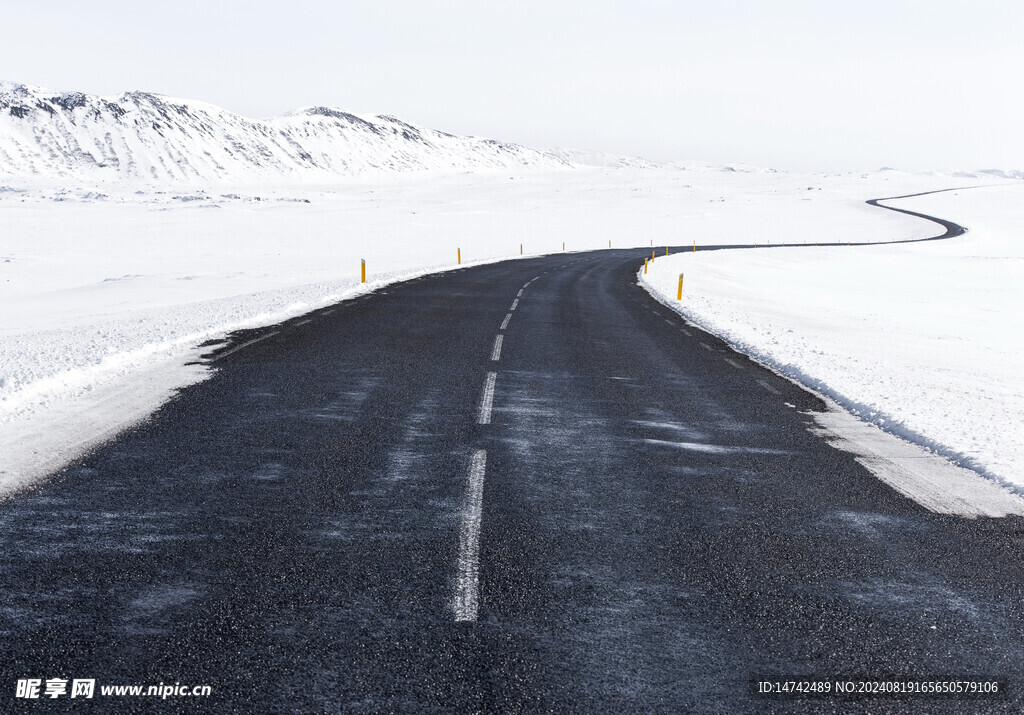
(363, 261)
(520, 249)
(679, 294)
(645, 266)
(666, 250)
(458, 252)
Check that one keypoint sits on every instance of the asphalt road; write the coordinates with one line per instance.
(352, 514)
(950, 229)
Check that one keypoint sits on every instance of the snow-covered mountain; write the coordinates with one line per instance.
(146, 137)
(997, 173)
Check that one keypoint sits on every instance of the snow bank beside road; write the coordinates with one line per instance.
(923, 339)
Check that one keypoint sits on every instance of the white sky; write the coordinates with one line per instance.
(789, 84)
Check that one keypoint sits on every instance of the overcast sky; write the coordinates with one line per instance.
(793, 85)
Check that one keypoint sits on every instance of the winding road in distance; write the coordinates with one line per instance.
(519, 486)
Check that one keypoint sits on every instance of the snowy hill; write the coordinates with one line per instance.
(146, 137)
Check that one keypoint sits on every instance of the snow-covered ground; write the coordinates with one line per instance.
(104, 294)
(924, 339)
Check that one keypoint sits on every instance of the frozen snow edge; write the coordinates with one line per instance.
(934, 475)
(41, 443)
(52, 422)
(929, 479)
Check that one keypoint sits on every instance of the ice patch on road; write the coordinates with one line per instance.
(156, 599)
(672, 427)
(869, 524)
(717, 448)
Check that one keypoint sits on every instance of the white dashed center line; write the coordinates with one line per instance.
(467, 585)
(669, 321)
(487, 400)
(303, 322)
(768, 387)
(734, 363)
(687, 332)
(706, 346)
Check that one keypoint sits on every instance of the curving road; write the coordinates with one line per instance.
(521, 486)
(950, 229)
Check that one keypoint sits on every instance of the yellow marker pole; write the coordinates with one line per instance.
(652, 255)
(609, 243)
(666, 250)
(563, 245)
(363, 261)
(679, 295)
(520, 249)
(459, 253)
(695, 245)
(645, 266)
